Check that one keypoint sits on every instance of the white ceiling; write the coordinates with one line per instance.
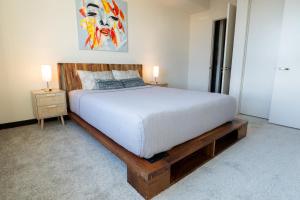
(190, 6)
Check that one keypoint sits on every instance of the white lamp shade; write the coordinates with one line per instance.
(46, 73)
(156, 71)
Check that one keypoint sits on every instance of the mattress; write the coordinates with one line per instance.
(150, 120)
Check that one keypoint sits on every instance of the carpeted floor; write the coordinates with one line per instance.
(66, 163)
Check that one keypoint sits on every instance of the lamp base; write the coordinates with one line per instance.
(47, 89)
(155, 81)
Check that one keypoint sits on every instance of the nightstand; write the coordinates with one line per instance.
(158, 84)
(49, 104)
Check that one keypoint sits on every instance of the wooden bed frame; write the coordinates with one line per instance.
(149, 179)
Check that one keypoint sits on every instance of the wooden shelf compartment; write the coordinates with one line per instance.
(190, 163)
(226, 141)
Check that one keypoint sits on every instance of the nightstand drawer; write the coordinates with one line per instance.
(52, 111)
(50, 99)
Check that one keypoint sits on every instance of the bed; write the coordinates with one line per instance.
(152, 119)
(162, 134)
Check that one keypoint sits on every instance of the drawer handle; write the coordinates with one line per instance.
(50, 95)
(52, 106)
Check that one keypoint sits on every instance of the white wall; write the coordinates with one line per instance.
(189, 6)
(201, 32)
(36, 32)
(261, 58)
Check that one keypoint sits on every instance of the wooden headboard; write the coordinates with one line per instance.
(69, 79)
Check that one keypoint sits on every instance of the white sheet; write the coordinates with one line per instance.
(149, 120)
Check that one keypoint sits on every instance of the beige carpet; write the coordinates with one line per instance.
(66, 163)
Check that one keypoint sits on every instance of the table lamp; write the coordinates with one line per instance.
(155, 73)
(47, 75)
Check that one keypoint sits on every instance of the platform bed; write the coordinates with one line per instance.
(150, 177)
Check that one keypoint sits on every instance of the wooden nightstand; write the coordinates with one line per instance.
(158, 84)
(49, 104)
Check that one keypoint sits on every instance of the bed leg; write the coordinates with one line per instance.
(242, 131)
(149, 188)
(210, 149)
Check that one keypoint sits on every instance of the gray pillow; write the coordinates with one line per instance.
(108, 84)
(133, 82)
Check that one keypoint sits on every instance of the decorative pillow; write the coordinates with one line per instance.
(134, 74)
(133, 82)
(119, 75)
(105, 75)
(108, 84)
(88, 78)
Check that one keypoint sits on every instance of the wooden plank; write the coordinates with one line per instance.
(195, 144)
(210, 149)
(149, 189)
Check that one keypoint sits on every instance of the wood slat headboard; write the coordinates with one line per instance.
(69, 79)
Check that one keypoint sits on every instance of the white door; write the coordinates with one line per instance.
(263, 41)
(229, 39)
(285, 107)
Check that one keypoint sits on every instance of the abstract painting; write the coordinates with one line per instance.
(102, 25)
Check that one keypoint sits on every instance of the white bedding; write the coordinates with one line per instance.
(149, 120)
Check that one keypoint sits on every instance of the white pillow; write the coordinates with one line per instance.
(120, 75)
(88, 78)
(105, 75)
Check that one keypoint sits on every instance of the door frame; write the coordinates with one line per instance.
(212, 50)
(241, 67)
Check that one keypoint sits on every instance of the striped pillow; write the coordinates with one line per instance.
(108, 84)
(133, 82)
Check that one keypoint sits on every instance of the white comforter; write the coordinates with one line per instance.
(149, 120)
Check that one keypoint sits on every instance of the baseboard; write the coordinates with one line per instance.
(25, 123)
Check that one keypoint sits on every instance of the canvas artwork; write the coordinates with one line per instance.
(102, 25)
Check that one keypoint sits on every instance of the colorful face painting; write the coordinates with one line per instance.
(102, 25)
